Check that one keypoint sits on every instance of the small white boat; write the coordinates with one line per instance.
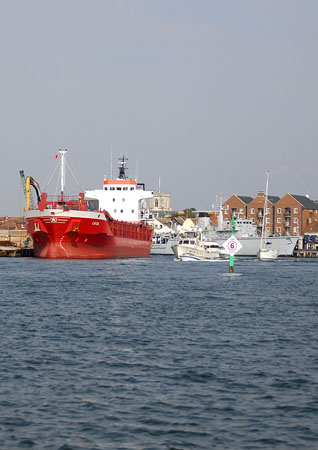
(266, 252)
(192, 246)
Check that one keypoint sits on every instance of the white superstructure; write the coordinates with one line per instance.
(122, 198)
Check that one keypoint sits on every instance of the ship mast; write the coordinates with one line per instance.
(122, 167)
(62, 153)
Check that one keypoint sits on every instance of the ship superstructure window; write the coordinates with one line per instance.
(125, 188)
(115, 210)
(132, 210)
(111, 188)
(119, 189)
(121, 210)
(132, 188)
(124, 199)
(113, 199)
(105, 188)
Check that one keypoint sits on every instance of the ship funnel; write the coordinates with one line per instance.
(203, 220)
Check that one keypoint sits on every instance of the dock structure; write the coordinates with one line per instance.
(12, 251)
(306, 253)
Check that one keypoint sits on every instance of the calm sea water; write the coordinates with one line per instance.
(158, 354)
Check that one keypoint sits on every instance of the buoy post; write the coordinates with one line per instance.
(232, 245)
(231, 267)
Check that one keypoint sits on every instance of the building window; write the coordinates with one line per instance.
(279, 210)
(252, 219)
(156, 203)
(267, 229)
(278, 229)
(241, 211)
(268, 210)
(268, 220)
(295, 210)
(295, 229)
(279, 220)
(295, 219)
(252, 211)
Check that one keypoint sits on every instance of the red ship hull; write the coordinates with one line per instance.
(86, 235)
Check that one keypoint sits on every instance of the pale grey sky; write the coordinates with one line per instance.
(206, 94)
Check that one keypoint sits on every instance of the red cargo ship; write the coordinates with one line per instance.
(86, 226)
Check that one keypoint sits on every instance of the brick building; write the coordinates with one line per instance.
(255, 212)
(286, 216)
(236, 206)
(293, 213)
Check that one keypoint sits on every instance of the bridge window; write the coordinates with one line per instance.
(105, 188)
(132, 189)
(119, 189)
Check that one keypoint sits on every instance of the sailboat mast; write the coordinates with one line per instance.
(265, 209)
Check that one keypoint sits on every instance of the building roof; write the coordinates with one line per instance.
(245, 199)
(273, 199)
(305, 201)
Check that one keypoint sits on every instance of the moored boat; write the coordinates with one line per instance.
(266, 252)
(102, 223)
(192, 246)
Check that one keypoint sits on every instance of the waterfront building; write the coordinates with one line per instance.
(236, 206)
(286, 216)
(293, 213)
(255, 212)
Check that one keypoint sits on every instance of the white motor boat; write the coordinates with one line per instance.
(192, 246)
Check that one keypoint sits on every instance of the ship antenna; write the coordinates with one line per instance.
(62, 153)
(111, 161)
(137, 168)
